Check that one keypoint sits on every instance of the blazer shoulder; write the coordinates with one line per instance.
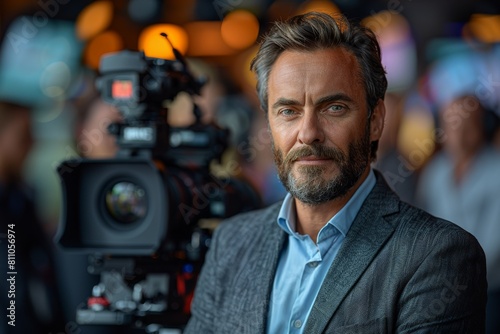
(248, 237)
(415, 220)
(248, 227)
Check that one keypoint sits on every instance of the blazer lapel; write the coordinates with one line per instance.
(366, 236)
(259, 281)
(273, 246)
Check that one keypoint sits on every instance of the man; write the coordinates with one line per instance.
(341, 253)
(29, 292)
(92, 141)
(462, 183)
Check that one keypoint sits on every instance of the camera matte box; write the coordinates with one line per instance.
(85, 222)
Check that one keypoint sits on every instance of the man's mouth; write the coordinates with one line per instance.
(311, 159)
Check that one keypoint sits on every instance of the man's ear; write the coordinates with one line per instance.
(377, 121)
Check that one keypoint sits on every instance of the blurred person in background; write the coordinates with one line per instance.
(91, 119)
(462, 184)
(400, 175)
(92, 138)
(493, 128)
(218, 105)
(213, 92)
(35, 291)
(260, 164)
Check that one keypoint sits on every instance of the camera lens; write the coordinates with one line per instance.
(126, 202)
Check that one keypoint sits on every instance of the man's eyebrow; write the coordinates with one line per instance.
(326, 99)
(333, 98)
(284, 102)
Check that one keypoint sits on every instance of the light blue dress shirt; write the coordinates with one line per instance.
(303, 264)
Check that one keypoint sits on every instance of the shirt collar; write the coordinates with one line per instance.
(342, 220)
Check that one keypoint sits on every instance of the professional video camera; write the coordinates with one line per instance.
(143, 215)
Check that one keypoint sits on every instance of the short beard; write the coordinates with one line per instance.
(314, 189)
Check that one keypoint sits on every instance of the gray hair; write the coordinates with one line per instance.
(315, 31)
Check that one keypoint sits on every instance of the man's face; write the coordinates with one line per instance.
(94, 140)
(16, 141)
(462, 124)
(318, 118)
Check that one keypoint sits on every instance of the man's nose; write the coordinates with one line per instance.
(311, 129)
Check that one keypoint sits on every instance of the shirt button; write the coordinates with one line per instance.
(297, 324)
(313, 264)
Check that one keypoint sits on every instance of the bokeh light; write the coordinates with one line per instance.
(155, 45)
(205, 39)
(399, 54)
(94, 19)
(106, 42)
(240, 29)
(416, 136)
(243, 77)
(55, 79)
(324, 6)
(483, 27)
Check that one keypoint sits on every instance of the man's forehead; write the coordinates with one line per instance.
(317, 70)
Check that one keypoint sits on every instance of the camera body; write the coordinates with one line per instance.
(143, 214)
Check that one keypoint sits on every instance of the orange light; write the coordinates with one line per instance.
(417, 127)
(155, 45)
(240, 29)
(323, 6)
(248, 75)
(389, 26)
(205, 39)
(483, 27)
(106, 42)
(241, 74)
(93, 19)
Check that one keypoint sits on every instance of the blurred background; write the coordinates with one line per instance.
(435, 53)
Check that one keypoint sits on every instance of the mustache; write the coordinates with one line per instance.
(317, 150)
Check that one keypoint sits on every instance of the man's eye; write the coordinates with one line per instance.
(336, 108)
(287, 112)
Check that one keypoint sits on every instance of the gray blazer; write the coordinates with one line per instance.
(399, 270)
